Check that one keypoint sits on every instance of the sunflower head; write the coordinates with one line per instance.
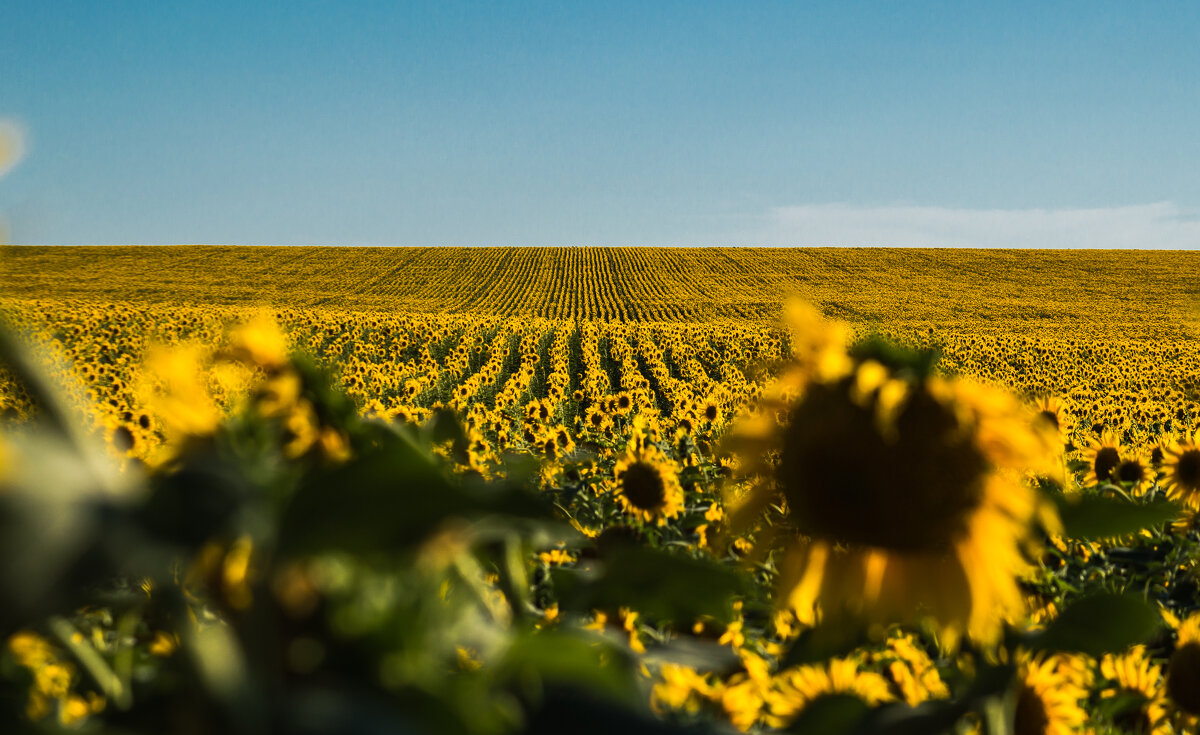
(1182, 471)
(1102, 455)
(647, 486)
(893, 466)
(1052, 415)
(1183, 671)
(1132, 472)
(1049, 691)
(902, 491)
(1133, 675)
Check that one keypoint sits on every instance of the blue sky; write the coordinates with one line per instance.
(563, 123)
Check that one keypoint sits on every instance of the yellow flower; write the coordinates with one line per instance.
(555, 557)
(467, 659)
(743, 696)
(1051, 414)
(1133, 673)
(164, 644)
(1183, 671)
(177, 393)
(1182, 477)
(1102, 456)
(1048, 697)
(911, 669)
(796, 688)
(680, 688)
(598, 621)
(648, 486)
(260, 342)
(629, 623)
(904, 498)
(52, 678)
(301, 430)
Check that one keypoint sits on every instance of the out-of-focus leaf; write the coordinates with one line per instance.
(391, 499)
(831, 714)
(579, 712)
(221, 665)
(195, 502)
(53, 527)
(831, 638)
(935, 716)
(316, 711)
(657, 584)
(941, 716)
(444, 425)
(695, 654)
(1093, 516)
(572, 660)
(1111, 708)
(1099, 624)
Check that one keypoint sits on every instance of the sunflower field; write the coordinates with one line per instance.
(309, 490)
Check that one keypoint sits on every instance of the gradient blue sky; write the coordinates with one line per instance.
(562, 123)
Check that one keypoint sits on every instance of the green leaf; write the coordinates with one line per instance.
(835, 637)
(1094, 516)
(392, 499)
(444, 425)
(1100, 624)
(572, 659)
(657, 584)
(834, 714)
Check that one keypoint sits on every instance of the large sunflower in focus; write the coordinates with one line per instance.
(647, 485)
(904, 491)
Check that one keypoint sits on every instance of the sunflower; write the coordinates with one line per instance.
(902, 491)
(1048, 696)
(1183, 671)
(1182, 465)
(648, 486)
(681, 688)
(1133, 472)
(1102, 456)
(911, 670)
(796, 688)
(596, 419)
(1051, 414)
(1135, 676)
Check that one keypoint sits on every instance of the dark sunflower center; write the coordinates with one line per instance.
(123, 438)
(912, 490)
(643, 487)
(1031, 717)
(1130, 471)
(1187, 469)
(1107, 459)
(1183, 678)
(710, 413)
(1136, 720)
(1051, 418)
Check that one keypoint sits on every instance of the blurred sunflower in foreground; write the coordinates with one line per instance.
(903, 492)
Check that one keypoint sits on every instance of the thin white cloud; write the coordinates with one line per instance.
(1161, 225)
